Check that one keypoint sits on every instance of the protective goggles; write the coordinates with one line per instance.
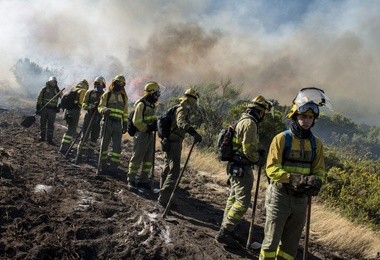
(309, 106)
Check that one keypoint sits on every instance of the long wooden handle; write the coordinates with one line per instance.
(250, 234)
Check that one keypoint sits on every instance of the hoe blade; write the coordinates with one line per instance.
(27, 122)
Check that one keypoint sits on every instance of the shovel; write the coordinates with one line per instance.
(29, 121)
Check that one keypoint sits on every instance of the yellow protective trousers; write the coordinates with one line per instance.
(239, 199)
(285, 219)
(142, 156)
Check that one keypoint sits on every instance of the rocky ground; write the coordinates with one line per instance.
(53, 209)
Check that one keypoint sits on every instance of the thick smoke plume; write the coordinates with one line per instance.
(272, 48)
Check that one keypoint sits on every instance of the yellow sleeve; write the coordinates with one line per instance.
(125, 113)
(274, 167)
(40, 96)
(82, 93)
(138, 117)
(103, 102)
(247, 129)
(85, 100)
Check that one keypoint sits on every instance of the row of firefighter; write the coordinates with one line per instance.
(294, 163)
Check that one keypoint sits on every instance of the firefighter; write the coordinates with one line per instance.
(145, 121)
(173, 145)
(48, 113)
(240, 170)
(71, 116)
(295, 173)
(114, 107)
(90, 104)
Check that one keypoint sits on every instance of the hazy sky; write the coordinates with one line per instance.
(270, 47)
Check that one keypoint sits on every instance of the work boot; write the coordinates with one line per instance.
(131, 186)
(41, 139)
(144, 185)
(51, 142)
(78, 158)
(225, 237)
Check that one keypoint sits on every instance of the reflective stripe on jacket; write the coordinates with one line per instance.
(246, 138)
(90, 98)
(117, 104)
(145, 114)
(46, 94)
(279, 168)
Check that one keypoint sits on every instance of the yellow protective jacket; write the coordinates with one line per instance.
(90, 98)
(145, 114)
(181, 124)
(81, 90)
(117, 103)
(300, 157)
(46, 94)
(246, 139)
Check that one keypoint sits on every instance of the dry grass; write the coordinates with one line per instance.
(329, 228)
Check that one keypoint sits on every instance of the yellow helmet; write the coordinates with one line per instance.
(260, 103)
(191, 93)
(151, 87)
(83, 84)
(100, 80)
(120, 78)
(309, 108)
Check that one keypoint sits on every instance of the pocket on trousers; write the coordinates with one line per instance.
(235, 169)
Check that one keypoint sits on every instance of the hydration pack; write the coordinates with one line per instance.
(225, 143)
(69, 100)
(164, 123)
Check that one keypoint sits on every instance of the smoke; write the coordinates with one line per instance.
(273, 48)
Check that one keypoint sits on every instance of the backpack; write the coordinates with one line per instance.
(288, 145)
(224, 143)
(68, 100)
(164, 122)
(131, 128)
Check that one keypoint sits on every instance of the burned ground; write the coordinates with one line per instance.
(53, 209)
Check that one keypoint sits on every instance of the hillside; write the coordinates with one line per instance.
(52, 209)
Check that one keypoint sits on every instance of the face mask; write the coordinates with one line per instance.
(99, 89)
(118, 85)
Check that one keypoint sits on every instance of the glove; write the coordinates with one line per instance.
(262, 158)
(165, 144)
(304, 183)
(58, 108)
(90, 107)
(152, 127)
(106, 111)
(297, 181)
(38, 110)
(197, 137)
(314, 185)
(125, 127)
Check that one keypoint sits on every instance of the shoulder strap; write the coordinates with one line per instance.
(108, 97)
(313, 147)
(288, 145)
